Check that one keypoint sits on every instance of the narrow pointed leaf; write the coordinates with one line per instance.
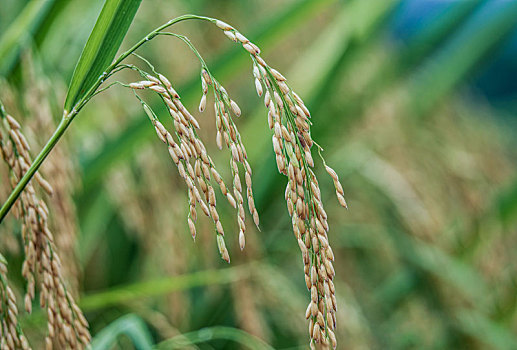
(20, 30)
(130, 325)
(182, 341)
(101, 47)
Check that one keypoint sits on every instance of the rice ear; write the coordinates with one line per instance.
(40, 264)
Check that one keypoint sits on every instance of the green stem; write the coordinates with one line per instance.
(80, 104)
(65, 121)
(68, 117)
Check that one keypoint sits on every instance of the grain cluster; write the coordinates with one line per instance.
(289, 119)
(194, 164)
(66, 324)
(58, 166)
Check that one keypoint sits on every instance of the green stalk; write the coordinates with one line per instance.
(69, 116)
(65, 121)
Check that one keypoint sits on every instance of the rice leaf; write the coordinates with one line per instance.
(162, 286)
(130, 325)
(213, 333)
(20, 31)
(495, 335)
(480, 36)
(101, 47)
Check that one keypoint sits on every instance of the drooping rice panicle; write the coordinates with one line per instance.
(289, 119)
(66, 324)
(189, 153)
(186, 150)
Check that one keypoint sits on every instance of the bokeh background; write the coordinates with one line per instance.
(415, 103)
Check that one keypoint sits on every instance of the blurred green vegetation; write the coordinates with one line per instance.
(425, 256)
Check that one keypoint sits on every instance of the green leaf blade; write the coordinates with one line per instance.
(21, 30)
(130, 325)
(102, 45)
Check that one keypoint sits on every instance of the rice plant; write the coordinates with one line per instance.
(292, 143)
(123, 236)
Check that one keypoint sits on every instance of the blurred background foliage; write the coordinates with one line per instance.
(414, 102)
